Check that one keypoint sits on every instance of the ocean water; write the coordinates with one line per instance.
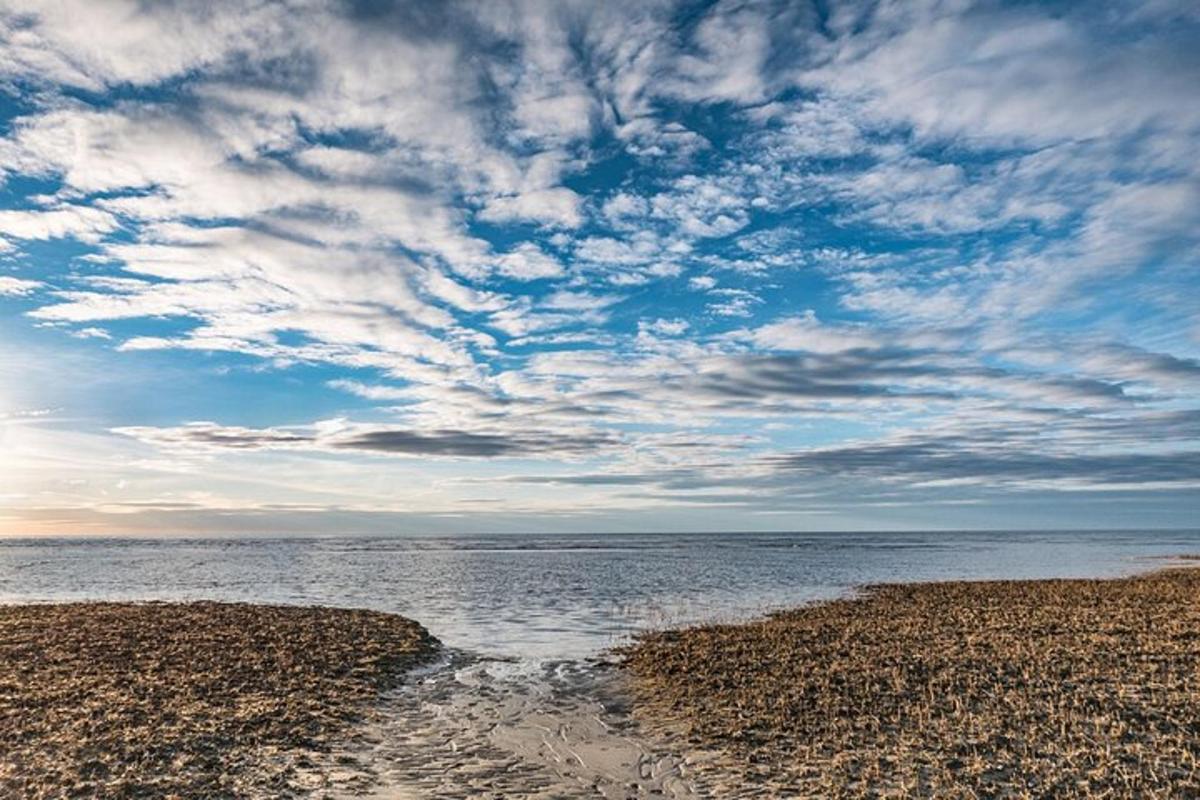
(557, 596)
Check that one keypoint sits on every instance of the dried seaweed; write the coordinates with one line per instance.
(124, 700)
(1065, 688)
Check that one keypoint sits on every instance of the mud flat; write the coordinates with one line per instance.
(154, 700)
(1062, 688)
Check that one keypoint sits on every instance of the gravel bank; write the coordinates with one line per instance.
(203, 700)
(1075, 688)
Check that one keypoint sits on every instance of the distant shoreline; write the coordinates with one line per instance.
(205, 536)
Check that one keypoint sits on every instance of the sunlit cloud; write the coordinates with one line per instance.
(771, 256)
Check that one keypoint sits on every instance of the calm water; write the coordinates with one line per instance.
(556, 596)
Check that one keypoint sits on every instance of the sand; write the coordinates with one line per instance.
(1076, 688)
(488, 729)
(190, 700)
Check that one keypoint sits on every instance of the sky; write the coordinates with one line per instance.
(404, 267)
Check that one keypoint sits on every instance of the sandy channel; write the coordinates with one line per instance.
(471, 726)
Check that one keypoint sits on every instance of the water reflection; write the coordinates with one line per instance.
(556, 596)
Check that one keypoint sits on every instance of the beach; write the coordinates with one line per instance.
(586, 400)
(154, 700)
(1029, 688)
(1058, 688)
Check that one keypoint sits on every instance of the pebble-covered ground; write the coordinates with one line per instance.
(1013, 689)
(188, 700)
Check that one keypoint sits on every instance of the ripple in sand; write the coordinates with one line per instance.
(486, 728)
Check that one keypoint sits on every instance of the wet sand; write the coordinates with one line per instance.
(1075, 688)
(156, 700)
(474, 727)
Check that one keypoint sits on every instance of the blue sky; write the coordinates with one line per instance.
(397, 266)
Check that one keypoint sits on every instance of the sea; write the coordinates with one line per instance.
(559, 596)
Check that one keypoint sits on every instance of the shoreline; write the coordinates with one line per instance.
(1070, 687)
(614, 590)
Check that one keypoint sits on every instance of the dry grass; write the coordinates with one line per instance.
(1079, 688)
(205, 700)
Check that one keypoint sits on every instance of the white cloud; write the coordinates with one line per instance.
(650, 139)
(556, 206)
(623, 207)
(1012, 74)
(579, 301)
(806, 333)
(702, 207)
(56, 41)
(731, 45)
(84, 223)
(665, 327)
(463, 297)
(10, 286)
(528, 262)
(737, 303)
(370, 392)
(91, 333)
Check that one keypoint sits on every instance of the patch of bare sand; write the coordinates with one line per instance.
(483, 728)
